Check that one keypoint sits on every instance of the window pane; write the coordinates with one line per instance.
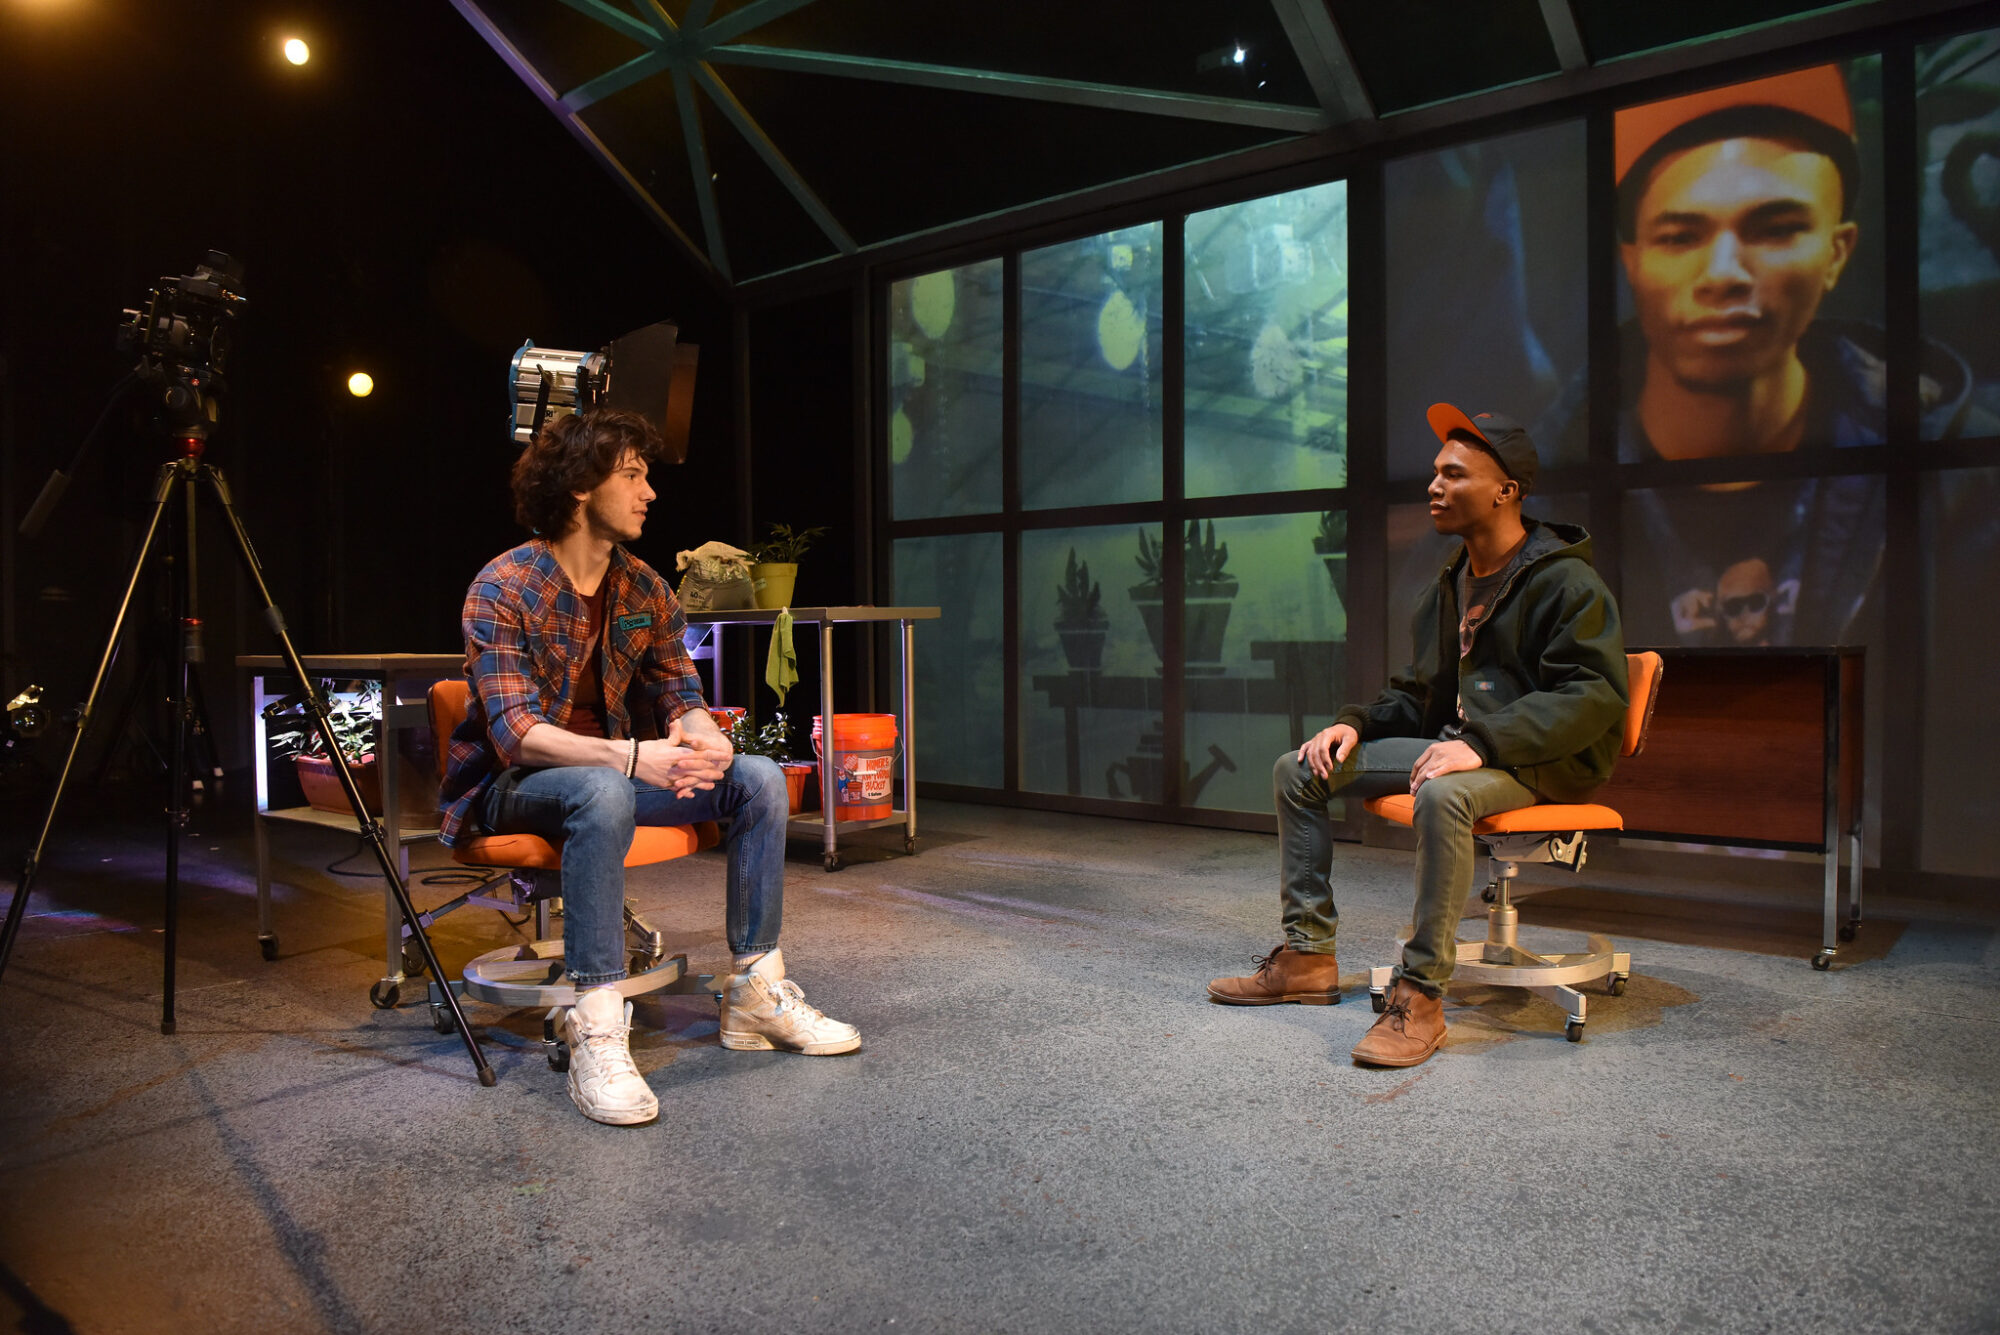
(1090, 673)
(1961, 540)
(1266, 397)
(1751, 284)
(959, 657)
(1487, 291)
(944, 392)
(1958, 110)
(1266, 649)
(1766, 563)
(1090, 370)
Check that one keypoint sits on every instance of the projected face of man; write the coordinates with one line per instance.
(1737, 241)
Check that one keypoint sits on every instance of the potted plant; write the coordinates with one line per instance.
(353, 714)
(1331, 544)
(774, 563)
(1209, 590)
(773, 740)
(1080, 618)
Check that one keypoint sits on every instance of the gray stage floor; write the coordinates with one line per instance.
(1049, 1128)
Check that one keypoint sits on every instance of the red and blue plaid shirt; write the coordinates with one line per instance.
(526, 629)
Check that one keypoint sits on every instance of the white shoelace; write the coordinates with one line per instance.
(612, 1050)
(789, 997)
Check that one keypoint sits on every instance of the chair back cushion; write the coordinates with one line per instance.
(450, 700)
(1643, 674)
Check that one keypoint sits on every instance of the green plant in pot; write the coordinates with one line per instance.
(292, 732)
(774, 563)
(1080, 618)
(1209, 590)
(773, 740)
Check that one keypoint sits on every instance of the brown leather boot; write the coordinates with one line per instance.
(1283, 975)
(1410, 1030)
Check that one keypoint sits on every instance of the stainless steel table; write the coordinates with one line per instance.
(826, 618)
(402, 734)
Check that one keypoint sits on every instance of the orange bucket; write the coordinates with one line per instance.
(864, 764)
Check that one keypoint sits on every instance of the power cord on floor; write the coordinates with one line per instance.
(450, 876)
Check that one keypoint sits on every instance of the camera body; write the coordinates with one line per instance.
(183, 337)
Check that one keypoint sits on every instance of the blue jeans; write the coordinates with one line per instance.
(592, 810)
(1446, 809)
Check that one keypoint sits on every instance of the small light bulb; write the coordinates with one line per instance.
(361, 384)
(296, 51)
(1239, 55)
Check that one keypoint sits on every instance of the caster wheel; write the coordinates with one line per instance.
(267, 946)
(384, 993)
(1617, 987)
(1847, 931)
(909, 843)
(559, 1057)
(413, 960)
(640, 962)
(1379, 1000)
(1823, 961)
(1573, 1031)
(832, 861)
(441, 1019)
(1487, 896)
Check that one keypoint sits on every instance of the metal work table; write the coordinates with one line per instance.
(407, 773)
(826, 618)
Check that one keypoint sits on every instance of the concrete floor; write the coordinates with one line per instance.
(1048, 1129)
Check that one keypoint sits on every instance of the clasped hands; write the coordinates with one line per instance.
(687, 760)
(1330, 747)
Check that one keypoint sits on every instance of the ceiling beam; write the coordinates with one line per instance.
(774, 158)
(638, 68)
(747, 19)
(704, 176)
(1567, 37)
(616, 19)
(1072, 92)
(1323, 55)
(514, 60)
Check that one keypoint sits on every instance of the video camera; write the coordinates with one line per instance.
(183, 336)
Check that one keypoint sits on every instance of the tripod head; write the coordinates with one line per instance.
(183, 336)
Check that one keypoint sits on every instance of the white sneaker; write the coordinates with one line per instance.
(603, 1082)
(763, 1010)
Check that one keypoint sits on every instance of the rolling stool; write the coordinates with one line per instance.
(532, 975)
(1546, 832)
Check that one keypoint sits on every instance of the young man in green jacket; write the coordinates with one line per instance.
(1516, 695)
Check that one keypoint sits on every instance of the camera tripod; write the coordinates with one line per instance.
(178, 477)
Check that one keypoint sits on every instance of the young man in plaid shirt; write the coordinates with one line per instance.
(586, 721)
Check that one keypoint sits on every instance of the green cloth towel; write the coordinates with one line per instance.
(781, 667)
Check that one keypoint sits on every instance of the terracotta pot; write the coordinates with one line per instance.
(322, 786)
(799, 778)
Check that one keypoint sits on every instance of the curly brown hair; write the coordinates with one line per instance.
(571, 453)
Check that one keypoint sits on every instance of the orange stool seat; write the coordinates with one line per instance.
(1542, 818)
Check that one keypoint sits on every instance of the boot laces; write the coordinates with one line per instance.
(1265, 963)
(1397, 1014)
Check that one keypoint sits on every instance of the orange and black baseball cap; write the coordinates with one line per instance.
(1808, 106)
(1504, 438)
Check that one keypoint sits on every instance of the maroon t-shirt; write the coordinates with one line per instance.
(586, 714)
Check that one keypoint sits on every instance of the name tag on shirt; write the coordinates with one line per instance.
(635, 621)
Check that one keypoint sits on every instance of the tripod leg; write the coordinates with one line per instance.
(185, 654)
(162, 488)
(371, 829)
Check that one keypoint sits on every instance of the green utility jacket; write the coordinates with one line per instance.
(1543, 690)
